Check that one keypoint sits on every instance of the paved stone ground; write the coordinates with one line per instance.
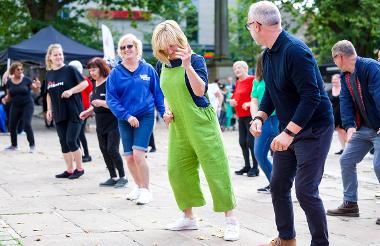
(37, 209)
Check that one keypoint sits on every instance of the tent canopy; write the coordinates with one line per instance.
(34, 49)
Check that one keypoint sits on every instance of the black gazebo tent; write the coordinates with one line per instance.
(34, 48)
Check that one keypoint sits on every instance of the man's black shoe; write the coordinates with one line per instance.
(86, 158)
(76, 174)
(372, 151)
(153, 149)
(378, 221)
(348, 209)
(242, 171)
(253, 173)
(339, 152)
(63, 175)
(108, 183)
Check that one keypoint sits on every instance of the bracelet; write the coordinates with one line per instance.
(259, 118)
(289, 132)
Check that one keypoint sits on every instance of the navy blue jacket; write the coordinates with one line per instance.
(294, 86)
(368, 74)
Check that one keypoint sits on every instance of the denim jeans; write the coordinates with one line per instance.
(361, 142)
(262, 144)
(304, 162)
(136, 138)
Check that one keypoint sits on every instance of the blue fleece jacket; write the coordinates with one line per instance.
(368, 74)
(134, 94)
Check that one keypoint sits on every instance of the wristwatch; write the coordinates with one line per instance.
(259, 118)
(289, 132)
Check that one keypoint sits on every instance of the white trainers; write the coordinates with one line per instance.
(231, 230)
(134, 194)
(145, 197)
(183, 223)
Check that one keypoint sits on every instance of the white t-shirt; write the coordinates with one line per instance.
(213, 88)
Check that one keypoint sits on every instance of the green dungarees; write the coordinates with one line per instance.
(194, 138)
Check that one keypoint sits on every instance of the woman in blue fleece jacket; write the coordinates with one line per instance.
(133, 91)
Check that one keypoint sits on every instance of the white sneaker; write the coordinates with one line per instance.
(134, 194)
(145, 197)
(183, 223)
(231, 230)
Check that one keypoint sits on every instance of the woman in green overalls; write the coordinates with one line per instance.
(194, 134)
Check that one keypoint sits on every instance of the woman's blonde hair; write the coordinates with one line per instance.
(241, 63)
(165, 34)
(48, 62)
(136, 42)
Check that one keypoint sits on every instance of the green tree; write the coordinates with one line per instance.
(242, 46)
(21, 18)
(329, 21)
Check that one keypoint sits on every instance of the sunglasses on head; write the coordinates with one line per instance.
(129, 46)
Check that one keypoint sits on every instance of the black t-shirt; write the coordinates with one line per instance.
(20, 93)
(105, 120)
(58, 81)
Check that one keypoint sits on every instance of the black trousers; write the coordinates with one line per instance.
(21, 116)
(68, 133)
(304, 162)
(246, 141)
(82, 138)
(109, 146)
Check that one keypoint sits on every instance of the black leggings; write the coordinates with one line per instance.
(82, 138)
(68, 133)
(246, 141)
(21, 115)
(109, 146)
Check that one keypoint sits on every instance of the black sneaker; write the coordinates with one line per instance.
(108, 183)
(122, 182)
(253, 173)
(152, 150)
(76, 174)
(242, 171)
(378, 221)
(265, 190)
(86, 158)
(63, 175)
(339, 152)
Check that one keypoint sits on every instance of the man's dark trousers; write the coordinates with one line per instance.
(304, 161)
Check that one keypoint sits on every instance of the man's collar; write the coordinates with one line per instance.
(277, 44)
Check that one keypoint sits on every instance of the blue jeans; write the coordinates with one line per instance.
(304, 162)
(136, 138)
(361, 142)
(262, 144)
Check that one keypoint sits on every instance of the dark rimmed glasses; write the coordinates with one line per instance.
(129, 46)
(248, 25)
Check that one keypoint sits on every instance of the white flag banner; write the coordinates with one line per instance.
(108, 45)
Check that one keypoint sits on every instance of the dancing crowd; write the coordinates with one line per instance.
(285, 120)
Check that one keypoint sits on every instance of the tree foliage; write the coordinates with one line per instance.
(21, 18)
(242, 46)
(329, 21)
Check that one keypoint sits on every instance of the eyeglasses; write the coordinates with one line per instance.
(248, 25)
(20, 69)
(129, 46)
